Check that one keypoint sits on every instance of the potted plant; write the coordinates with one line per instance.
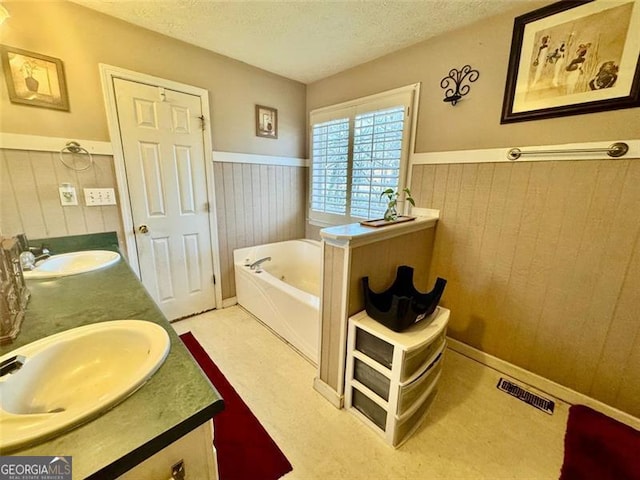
(391, 214)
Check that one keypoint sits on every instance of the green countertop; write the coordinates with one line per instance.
(175, 400)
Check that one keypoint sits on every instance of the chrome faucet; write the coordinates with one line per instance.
(40, 253)
(11, 364)
(256, 265)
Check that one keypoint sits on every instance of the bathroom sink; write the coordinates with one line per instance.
(69, 378)
(73, 263)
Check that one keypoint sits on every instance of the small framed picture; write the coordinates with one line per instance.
(266, 122)
(34, 79)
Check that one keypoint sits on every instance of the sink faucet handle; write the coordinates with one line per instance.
(40, 251)
(27, 260)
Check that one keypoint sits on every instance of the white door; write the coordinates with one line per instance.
(163, 147)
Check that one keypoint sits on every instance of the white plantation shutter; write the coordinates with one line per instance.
(358, 149)
(377, 151)
(330, 166)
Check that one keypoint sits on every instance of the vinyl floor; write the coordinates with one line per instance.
(472, 430)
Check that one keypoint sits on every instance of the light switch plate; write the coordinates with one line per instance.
(94, 197)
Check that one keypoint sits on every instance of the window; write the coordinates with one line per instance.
(358, 149)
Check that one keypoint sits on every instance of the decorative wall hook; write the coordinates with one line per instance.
(457, 77)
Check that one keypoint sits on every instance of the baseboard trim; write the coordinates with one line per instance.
(550, 387)
(229, 302)
(329, 393)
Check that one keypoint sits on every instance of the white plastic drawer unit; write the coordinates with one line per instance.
(391, 376)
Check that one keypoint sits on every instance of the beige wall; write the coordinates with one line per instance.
(475, 121)
(542, 258)
(82, 39)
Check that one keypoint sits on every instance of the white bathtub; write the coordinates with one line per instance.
(284, 293)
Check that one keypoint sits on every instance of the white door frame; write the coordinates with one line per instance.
(107, 74)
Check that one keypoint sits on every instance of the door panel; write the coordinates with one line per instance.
(164, 160)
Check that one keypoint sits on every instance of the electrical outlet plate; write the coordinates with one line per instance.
(68, 196)
(94, 197)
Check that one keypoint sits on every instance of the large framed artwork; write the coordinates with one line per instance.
(573, 57)
(34, 79)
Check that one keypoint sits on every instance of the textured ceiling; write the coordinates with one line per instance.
(302, 40)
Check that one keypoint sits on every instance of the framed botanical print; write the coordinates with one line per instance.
(34, 79)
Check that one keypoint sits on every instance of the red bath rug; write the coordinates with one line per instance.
(245, 449)
(599, 447)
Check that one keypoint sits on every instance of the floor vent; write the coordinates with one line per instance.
(531, 398)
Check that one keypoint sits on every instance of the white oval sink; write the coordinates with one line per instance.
(72, 376)
(73, 263)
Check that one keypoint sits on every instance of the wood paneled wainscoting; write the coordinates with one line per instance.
(30, 202)
(256, 204)
(543, 265)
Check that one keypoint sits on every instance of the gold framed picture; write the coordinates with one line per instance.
(266, 122)
(34, 79)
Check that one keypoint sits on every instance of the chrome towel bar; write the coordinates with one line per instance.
(615, 150)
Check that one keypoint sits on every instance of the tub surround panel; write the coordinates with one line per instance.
(256, 204)
(283, 291)
(31, 203)
(332, 306)
(351, 252)
(543, 262)
(145, 422)
(413, 249)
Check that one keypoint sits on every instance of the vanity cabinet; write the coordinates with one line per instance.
(195, 450)
(391, 376)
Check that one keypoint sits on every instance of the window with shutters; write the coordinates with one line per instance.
(359, 149)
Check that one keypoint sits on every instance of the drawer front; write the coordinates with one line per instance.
(373, 347)
(414, 360)
(409, 394)
(370, 378)
(406, 427)
(369, 408)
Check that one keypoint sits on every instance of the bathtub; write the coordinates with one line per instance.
(283, 293)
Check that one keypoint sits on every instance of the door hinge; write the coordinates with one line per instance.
(214, 279)
(203, 120)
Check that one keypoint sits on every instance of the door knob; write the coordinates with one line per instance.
(143, 229)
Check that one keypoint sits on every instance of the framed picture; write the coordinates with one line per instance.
(573, 57)
(266, 122)
(34, 79)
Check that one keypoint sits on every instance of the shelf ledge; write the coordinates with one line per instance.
(355, 235)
